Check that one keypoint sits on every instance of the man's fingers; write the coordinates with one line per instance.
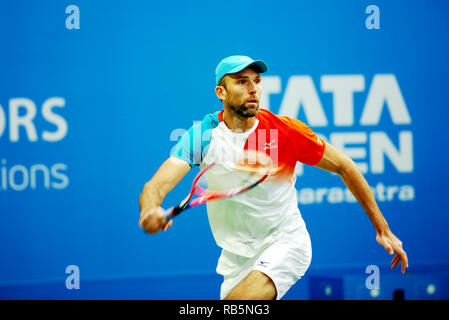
(395, 261)
(386, 244)
(148, 226)
(404, 262)
(389, 249)
(168, 225)
(394, 245)
(401, 256)
(154, 220)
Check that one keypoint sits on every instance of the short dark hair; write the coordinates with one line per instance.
(221, 83)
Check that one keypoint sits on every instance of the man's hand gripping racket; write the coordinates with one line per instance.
(220, 180)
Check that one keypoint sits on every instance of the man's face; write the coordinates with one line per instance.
(242, 92)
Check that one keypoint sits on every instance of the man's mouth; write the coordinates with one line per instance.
(252, 101)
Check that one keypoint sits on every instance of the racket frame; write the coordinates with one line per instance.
(205, 196)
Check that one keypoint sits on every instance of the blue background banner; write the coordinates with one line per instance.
(95, 94)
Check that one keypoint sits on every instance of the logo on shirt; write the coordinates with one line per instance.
(263, 263)
(269, 145)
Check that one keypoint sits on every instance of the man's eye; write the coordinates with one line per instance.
(241, 81)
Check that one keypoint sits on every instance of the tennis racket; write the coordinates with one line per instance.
(224, 179)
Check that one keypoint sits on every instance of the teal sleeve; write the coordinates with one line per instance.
(194, 143)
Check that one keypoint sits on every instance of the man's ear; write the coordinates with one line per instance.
(221, 93)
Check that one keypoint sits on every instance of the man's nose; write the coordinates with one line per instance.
(252, 87)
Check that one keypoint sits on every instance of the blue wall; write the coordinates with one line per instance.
(111, 98)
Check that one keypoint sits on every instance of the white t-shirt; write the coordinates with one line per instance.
(246, 222)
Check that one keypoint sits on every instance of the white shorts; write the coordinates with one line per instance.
(285, 261)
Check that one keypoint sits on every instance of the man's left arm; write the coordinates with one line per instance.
(336, 161)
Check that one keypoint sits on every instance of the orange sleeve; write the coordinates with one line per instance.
(308, 147)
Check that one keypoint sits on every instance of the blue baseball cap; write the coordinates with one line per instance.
(234, 64)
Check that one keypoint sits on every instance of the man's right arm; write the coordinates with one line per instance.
(152, 216)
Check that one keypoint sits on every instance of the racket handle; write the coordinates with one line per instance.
(172, 212)
(169, 214)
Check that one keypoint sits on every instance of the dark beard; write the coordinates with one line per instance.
(243, 111)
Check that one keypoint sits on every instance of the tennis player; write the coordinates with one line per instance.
(265, 244)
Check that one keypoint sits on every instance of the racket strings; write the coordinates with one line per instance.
(231, 177)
